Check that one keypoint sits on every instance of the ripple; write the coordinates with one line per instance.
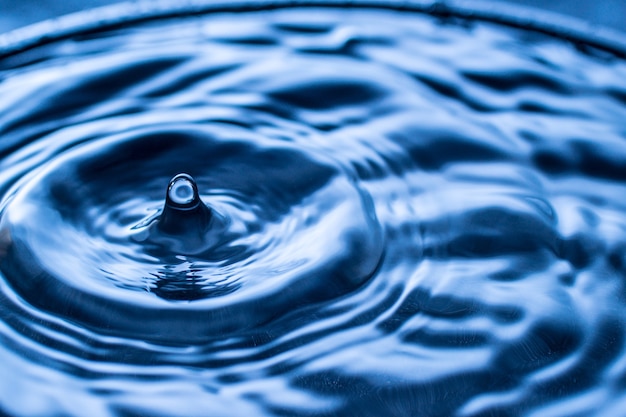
(405, 215)
(273, 205)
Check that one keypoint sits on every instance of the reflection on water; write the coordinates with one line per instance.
(408, 216)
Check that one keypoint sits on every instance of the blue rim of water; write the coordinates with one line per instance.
(119, 15)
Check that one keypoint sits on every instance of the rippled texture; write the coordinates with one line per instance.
(411, 216)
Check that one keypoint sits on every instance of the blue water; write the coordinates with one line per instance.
(606, 13)
(409, 216)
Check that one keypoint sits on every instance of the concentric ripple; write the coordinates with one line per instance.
(285, 227)
(407, 216)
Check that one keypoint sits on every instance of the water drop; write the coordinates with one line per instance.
(184, 212)
(182, 192)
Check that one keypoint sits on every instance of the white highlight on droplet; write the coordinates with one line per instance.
(181, 191)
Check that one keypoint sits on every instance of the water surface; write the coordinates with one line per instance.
(411, 216)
